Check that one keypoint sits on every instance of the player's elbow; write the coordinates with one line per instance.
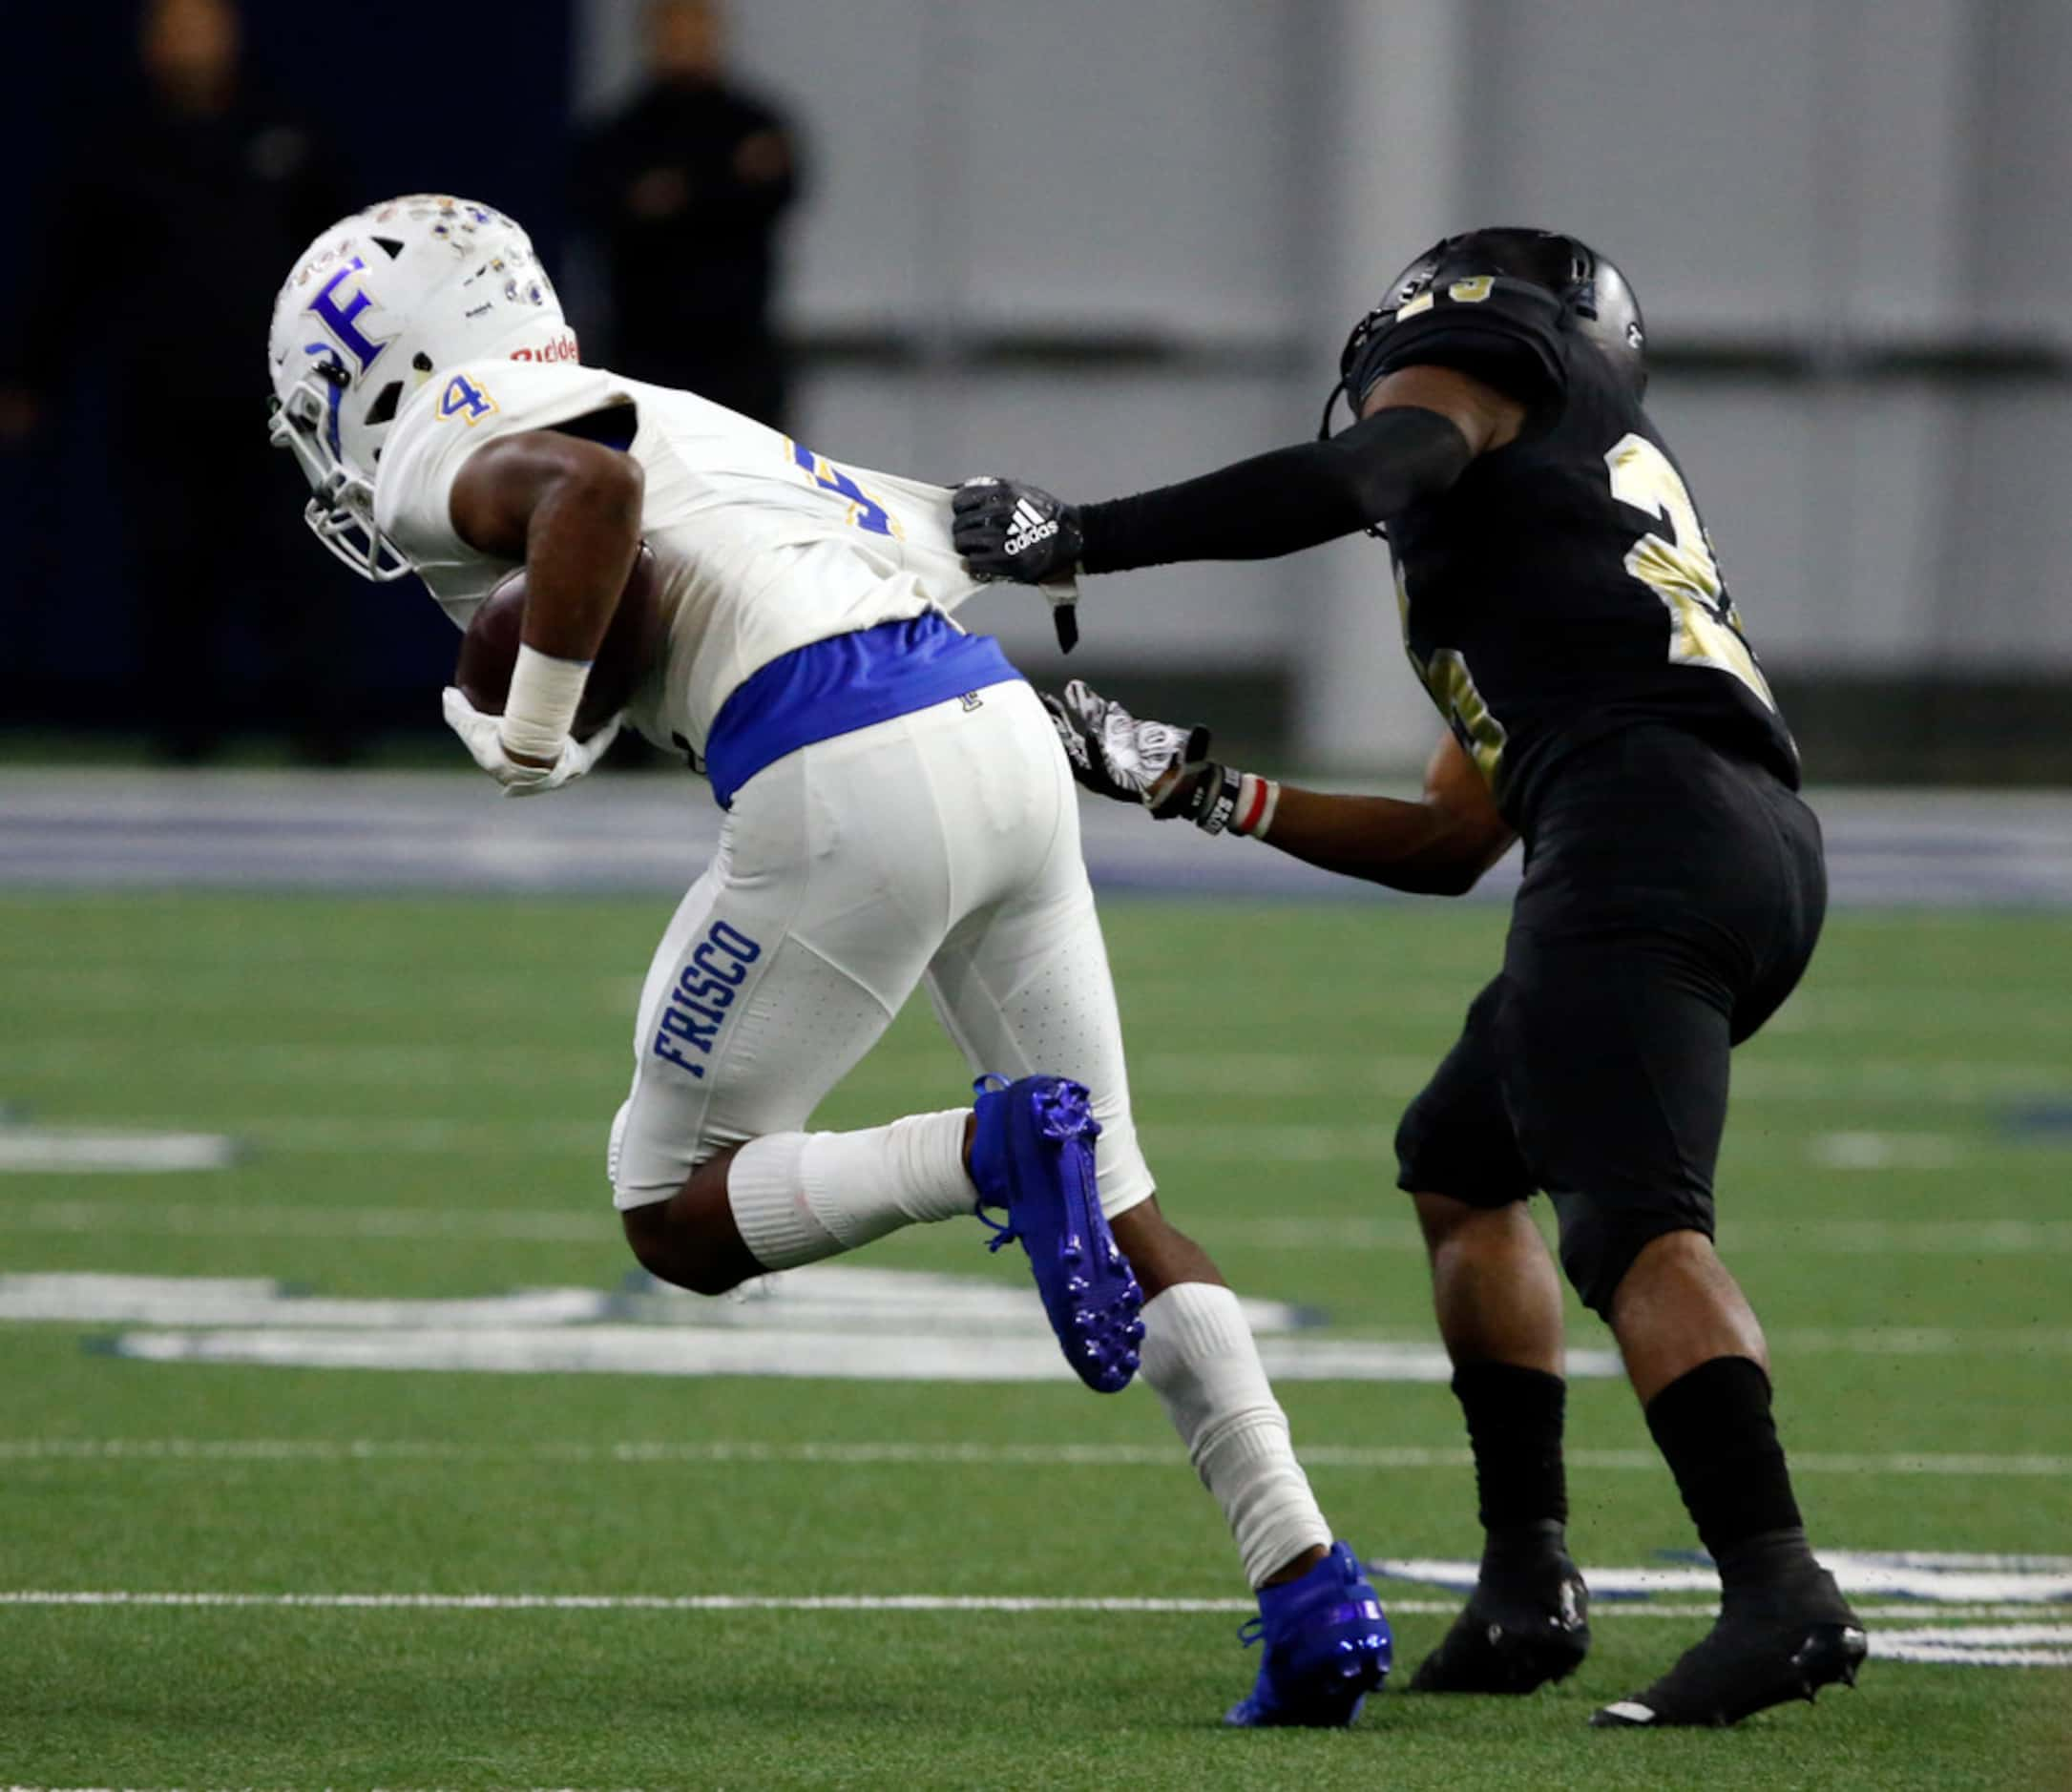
(1439, 881)
(1398, 458)
(592, 493)
(1454, 862)
(1441, 878)
(1478, 853)
(611, 487)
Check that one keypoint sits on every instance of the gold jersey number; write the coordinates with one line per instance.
(1446, 676)
(1704, 630)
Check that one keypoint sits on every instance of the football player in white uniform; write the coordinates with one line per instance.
(899, 810)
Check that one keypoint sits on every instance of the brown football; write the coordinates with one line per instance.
(490, 649)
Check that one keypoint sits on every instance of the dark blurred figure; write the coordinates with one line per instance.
(682, 190)
(159, 261)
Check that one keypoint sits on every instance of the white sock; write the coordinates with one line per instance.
(1200, 1357)
(799, 1196)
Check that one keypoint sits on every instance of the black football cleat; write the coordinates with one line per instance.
(1526, 1625)
(1771, 1644)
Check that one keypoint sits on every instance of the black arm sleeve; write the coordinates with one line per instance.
(1275, 503)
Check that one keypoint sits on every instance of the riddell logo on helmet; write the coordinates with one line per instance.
(561, 348)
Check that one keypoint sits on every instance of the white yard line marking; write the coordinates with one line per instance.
(980, 1455)
(821, 1348)
(109, 1300)
(1986, 1644)
(1864, 1574)
(1927, 1341)
(74, 1151)
(819, 1296)
(1826, 1238)
(629, 1602)
(1884, 1151)
(1980, 1645)
(183, 1220)
(829, 1320)
(1948, 1654)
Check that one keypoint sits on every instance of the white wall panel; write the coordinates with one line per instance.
(1894, 181)
(2020, 144)
(1682, 136)
(2007, 564)
(1133, 167)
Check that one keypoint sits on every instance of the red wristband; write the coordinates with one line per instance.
(1257, 800)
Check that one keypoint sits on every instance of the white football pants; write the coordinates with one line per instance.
(943, 844)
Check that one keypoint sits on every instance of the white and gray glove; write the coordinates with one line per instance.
(1115, 755)
(482, 736)
(1167, 769)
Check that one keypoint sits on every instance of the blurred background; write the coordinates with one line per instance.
(1099, 245)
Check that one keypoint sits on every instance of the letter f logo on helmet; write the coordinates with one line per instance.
(343, 320)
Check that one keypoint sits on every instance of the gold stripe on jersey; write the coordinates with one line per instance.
(1703, 629)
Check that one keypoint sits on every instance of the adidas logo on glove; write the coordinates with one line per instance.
(1031, 526)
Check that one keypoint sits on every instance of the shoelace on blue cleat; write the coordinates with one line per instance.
(1067, 1112)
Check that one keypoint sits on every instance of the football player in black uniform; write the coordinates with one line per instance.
(1562, 604)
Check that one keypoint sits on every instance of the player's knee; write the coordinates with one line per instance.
(1414, 1146)
(1442, 1219)
(672, 1253)
(1601, 1239)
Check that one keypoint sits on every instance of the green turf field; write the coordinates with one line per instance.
(1895, 1198)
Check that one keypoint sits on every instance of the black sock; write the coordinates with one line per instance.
(1514, 1424)
(1714, 1427)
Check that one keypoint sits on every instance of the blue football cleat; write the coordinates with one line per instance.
(1328, 1646)
(1032, 1153)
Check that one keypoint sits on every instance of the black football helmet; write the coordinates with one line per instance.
(1597, 302)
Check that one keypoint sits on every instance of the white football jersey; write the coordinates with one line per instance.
(760, 545)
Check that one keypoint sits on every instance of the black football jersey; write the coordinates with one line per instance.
(1564, 587)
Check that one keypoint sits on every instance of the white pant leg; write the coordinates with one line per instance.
(1022, 983)
(841, 869)
(786, 960)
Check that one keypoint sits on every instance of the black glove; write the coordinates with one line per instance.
(1115, 755)
(1008, 529)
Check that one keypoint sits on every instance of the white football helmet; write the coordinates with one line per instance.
(377, 306)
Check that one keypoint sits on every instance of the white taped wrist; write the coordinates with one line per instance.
(1257, 798)
(541, 707)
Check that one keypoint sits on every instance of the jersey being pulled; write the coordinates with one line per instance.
(760, 545)
(1564, 587)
